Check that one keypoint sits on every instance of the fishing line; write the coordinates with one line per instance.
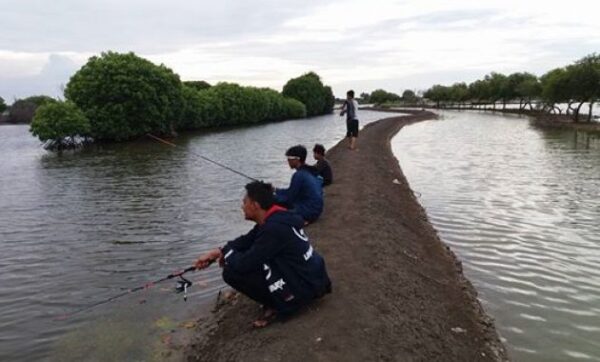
(204, 158)
(182, 285)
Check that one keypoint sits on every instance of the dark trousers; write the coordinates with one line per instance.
(253, 285)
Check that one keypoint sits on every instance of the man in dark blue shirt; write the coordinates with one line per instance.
(305, 193)
(273, 264)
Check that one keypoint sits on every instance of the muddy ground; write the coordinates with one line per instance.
(399, 293)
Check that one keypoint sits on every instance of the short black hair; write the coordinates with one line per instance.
(350, 93)
(297, 151)
(262, 193)
(319, 149)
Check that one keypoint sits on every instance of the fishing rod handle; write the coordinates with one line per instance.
(192, 268)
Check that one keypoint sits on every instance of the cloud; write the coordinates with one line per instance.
(142, 26)
(52, 75)
(266, 42)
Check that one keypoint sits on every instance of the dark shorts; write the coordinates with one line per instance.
(352, 128)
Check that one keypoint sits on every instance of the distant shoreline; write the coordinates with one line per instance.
(541, 119)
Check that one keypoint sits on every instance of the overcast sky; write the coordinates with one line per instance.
(363, 45)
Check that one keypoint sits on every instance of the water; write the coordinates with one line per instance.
(520, 206)
(79, 227)
(583, 112)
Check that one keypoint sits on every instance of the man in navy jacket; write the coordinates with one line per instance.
(305, 193)
(273, 264)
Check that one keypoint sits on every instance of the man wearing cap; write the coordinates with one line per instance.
(305, 194)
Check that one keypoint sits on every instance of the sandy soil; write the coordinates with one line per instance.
(398, 292)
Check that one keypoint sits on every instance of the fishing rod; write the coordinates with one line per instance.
(182, 285)
(203, 157)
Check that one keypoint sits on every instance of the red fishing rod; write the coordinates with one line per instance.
(182, 285)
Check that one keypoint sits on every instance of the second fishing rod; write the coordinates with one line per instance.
(203, 157)
(182, 284)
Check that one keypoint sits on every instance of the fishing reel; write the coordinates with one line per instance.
(182, 285)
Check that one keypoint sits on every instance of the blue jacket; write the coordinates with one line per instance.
(294, 272)
(304, 196)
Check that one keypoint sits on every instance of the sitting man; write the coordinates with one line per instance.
(322, 167)
(274, 264)
(305, 194)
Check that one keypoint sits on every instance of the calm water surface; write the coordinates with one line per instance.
(521, 208)
(79, 227)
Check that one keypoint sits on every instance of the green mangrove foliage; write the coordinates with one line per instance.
(60, 124)
(227, 104)
(380, 96)
(309, 90)
(197, 84)
(584, 83)
(555, 88)
(409, 96)
(574, 85)
(363, 98)
(383, 97)
(3, 105)
(125, 96)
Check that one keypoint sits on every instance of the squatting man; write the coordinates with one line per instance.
(274, 263)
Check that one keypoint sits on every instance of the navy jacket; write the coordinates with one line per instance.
(305, 194)
(294, 272)
(323, 169)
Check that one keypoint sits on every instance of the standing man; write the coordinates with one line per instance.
(322, 167)
(305, 194)
(350, 109)
(273, 264)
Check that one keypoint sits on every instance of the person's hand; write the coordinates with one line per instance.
(206, 259)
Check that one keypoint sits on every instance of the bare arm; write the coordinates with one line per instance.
(207, 258)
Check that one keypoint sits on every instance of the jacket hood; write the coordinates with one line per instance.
(287, 218)
(312, 169)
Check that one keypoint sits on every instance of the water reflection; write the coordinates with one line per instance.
(520, 207)
(82, 226)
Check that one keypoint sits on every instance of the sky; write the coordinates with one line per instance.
(360, 45)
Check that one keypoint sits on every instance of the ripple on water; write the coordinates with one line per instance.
(520, 208)
(577, 355)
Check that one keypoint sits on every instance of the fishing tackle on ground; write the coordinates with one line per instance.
(182, 285)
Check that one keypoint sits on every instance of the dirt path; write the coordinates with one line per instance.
(399, 293)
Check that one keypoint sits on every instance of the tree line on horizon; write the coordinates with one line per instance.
(574, 85)
(121, 96)
(22, 110)
(381, 97)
